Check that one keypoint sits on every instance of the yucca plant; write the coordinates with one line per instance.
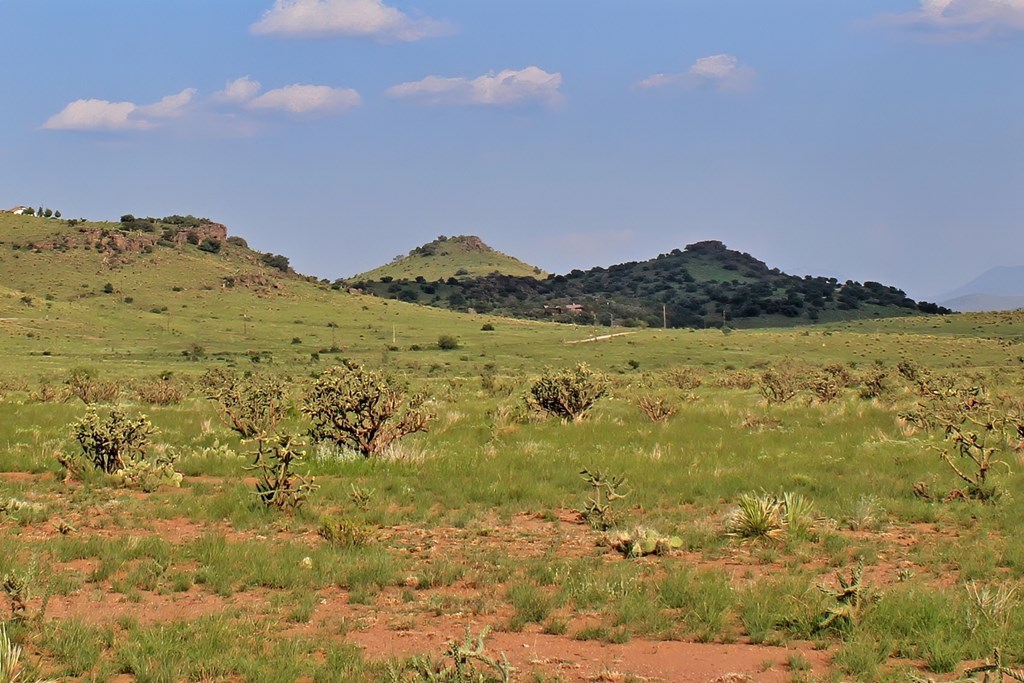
(756, 517)
(9, 656)
(10, 671)
(797, 512)
(765, 516)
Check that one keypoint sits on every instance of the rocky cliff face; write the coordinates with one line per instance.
(131, 242)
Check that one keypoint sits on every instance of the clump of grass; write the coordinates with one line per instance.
(344, 532)
(532, 605)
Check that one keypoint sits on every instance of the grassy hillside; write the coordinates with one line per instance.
(705, 285)
(55, 312)
(463, 256)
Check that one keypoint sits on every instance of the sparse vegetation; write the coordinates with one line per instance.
(484, 519)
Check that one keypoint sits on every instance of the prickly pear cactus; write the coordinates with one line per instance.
(643, 541)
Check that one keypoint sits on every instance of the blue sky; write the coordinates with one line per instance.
(857, 138)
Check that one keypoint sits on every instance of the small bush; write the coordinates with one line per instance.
(447, 342)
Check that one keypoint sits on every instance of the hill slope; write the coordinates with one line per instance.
(460, 256)
(705, 285)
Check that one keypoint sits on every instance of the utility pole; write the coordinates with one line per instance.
(664, 316)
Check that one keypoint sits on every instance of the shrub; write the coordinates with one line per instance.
(447, 342)
(276, 261)
(829, 383)
(160, 391)
(487, 327)
(777, 386)
(210, 245)
(567, 394)
(873, 383)
(81, 383)
(685, 377)
(362, 409)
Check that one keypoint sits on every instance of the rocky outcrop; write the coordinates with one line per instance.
(116, 243)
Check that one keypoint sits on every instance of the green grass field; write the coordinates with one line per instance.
(476, 523)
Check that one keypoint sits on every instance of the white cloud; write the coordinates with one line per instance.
(170, 107)
(307, 99)
(962, 19)
(349, 18)
(225, 108)
(94, 115)
(239, 90)
(529, 85)
(722, 72)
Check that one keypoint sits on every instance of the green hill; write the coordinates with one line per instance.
(704, 285)
(462, 256)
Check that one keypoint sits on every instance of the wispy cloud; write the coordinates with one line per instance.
(720, 72)
(346, 18)
(234, 107)
(960, 19)
(170, 107)
(239, 90)
(98, 115)
(531, 85)
(307, 99)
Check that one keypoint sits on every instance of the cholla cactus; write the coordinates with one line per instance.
(112, 443)
(568, 394)
(361, 409)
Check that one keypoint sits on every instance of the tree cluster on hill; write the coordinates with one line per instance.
(41, 212)
(704, 285)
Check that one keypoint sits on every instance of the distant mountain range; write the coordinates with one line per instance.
(705, 285)
(997, 289)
